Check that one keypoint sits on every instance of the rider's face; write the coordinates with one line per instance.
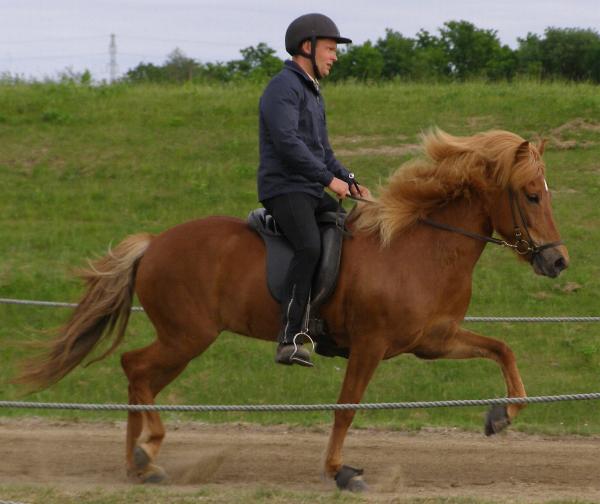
(325, 54)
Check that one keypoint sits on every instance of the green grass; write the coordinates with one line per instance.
(209, 494)
(83, 167)
(214, 494)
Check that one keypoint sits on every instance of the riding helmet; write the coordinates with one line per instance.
(311, 27)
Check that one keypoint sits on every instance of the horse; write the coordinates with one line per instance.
(404, 286)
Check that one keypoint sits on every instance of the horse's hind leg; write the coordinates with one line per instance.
(149, 370)
(467, 344)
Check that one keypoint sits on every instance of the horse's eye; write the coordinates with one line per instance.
(533, 198)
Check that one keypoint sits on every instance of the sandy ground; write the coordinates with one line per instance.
(511, 467)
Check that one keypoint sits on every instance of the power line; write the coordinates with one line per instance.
(126, 37)
(184, 41)
(46, 41)
(89, 55)
(50, 57)
(140, 55)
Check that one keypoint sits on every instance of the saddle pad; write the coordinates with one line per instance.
(280, 253)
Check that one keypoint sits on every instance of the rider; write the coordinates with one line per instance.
(297, 163)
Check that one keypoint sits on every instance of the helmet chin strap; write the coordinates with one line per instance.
(312, 56)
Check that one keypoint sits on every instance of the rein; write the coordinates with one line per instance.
(520, 245)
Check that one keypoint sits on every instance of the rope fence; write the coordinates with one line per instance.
(49, 304)
(300, 407)
(56, 304)
(306, 407)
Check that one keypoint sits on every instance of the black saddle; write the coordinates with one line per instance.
(279, 256)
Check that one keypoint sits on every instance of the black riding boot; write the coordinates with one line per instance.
(290, 353)
(291, 337)
(295, 214)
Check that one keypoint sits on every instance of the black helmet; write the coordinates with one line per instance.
(311, 27)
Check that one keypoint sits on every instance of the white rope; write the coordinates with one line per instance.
(52, 304)
(300, 407)
(467, 319)
(532, 319)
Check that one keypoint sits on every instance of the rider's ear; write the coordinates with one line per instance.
(306, 46)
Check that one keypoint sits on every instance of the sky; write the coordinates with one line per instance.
(42, 38)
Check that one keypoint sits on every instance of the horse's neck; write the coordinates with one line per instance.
(470, 214)
(466, 214)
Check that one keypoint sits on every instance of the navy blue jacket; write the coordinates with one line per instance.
(295, 155)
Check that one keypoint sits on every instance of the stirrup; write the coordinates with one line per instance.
(304, 334)
(300, 355)
(296, 355)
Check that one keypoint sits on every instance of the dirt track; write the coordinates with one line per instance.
(512, 467)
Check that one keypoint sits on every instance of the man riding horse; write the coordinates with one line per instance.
(406, 276)
(297, 163)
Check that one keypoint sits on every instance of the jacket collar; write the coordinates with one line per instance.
(294, 67)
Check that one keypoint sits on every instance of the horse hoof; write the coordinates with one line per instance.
(350, 478)
(140, 458)
(496, 420)
(153, 475)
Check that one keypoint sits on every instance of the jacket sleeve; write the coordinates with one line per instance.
(279, 108)
(333, 165)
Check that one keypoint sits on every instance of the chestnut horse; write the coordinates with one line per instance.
(404, 287)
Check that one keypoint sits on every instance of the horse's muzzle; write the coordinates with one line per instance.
(550, 262)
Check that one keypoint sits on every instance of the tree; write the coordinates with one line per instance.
(180, 68)
(220, 72)
(398, 53)
(262, 59)
(431, 60)
(529, 56)
(147, 72)
(461, 51)
(571, 53)
(257, 63)
(471, 50)
(363, 62)
(503, 64)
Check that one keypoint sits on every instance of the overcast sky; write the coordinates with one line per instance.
(43, 37)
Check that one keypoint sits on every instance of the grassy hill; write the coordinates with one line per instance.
(81, 167)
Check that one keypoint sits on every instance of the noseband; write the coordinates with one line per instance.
(521, 245)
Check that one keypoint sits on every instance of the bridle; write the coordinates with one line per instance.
(522, 245)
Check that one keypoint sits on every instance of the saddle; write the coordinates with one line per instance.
(279, 256)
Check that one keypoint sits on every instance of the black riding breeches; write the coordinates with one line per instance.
(295, 215)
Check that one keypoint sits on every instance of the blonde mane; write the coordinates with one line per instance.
(452, 168)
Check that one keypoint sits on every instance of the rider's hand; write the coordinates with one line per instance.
(361, 191)
(356, 190)
(339, 187)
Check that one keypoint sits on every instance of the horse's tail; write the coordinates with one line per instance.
(103, 310)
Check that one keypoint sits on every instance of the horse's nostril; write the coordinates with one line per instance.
(560, 264)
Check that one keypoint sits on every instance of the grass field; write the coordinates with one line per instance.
(82, 167)
(209, 495)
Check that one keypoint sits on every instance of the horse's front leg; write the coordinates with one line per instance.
(364, 359)
(467, 344)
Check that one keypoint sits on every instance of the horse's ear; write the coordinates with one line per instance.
(522, 150)
(541, 146)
